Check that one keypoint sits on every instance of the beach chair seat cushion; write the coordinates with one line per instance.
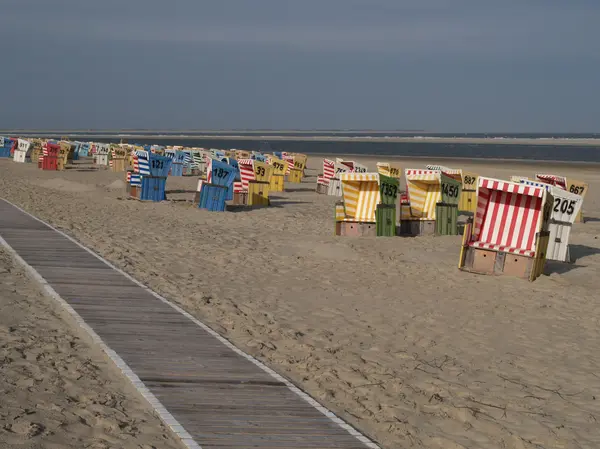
(501, 248)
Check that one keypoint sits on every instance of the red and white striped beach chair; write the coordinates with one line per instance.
(509, 234)
(328, 173)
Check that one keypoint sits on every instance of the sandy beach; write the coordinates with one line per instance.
(58, 389)
(386, 332)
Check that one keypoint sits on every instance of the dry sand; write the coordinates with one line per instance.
(387, 332)
(56, 390)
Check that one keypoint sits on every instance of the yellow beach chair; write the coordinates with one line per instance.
(369, 206)
(433, 203)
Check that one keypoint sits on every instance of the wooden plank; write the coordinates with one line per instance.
(60, 262)
(220, 397)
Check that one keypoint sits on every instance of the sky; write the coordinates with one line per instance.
(435, 65)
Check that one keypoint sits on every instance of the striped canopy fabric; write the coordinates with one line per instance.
(141, 162)
(508, 216)
(328, 169)
(454, 173)
(424, 192)
(246, 172)
(555, 180)
(541, 185)
(322, 180)
(361, 195)
(290, 160)
(134, 179)
(383, 168)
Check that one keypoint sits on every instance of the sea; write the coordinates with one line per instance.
(427, 148)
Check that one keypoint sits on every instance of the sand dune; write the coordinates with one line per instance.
(386, 332)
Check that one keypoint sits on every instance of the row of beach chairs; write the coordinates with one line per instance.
(237, 176)
(512, 227)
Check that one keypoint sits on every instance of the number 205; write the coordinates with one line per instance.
(565, 206)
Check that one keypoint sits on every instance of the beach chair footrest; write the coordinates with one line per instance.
(355, 229)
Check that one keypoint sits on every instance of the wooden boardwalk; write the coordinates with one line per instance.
(209, 392)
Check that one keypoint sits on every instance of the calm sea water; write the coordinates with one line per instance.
(571, 153)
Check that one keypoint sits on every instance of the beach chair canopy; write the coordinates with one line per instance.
(141, 162)
(387, 169)
(279, 165)
(360, 192)
(383, 168)
(508, 217)
(221, 173)
(555, 180)
(178, 156)
(246, 167)
(24, 145)
(360, 168)
(424, 192)
(454, 173)
(328, 168)
(565, 206)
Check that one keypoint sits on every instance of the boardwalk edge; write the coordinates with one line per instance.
(163, 413)
(160, 409)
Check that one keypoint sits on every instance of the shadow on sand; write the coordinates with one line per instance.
(577, 252)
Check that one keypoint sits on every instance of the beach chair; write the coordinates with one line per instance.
(101, 157)
(36, 152)
(509, 234)
(242, 154)
(134, 183)
(8, 145)
(178, 159)
(84, 149)
(432, 206)
(230, 194)
(256, 180)
(565, 209)
(387, 169)
(213, 192)
(257, 156)
(570, 185)
(324, 178)
(369, 206)
(187, 163)
(277, 177)
(468, 196)
(198, 163)
(295, 171)
(119, 155)
(467, 201)
(23, 151)
(335, 185)
(50, 156)
(152, 170)
(66, 154)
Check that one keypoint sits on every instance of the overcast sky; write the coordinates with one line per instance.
(439, 65)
